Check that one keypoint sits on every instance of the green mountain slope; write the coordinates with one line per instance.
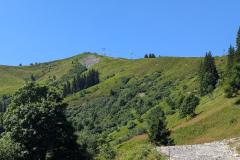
(143, 84)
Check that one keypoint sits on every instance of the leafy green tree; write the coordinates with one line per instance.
(107, 151)
(208, 75)
(35, 118)
(156, 127)
(10, 150)
(188, 106)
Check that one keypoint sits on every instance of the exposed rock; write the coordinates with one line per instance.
(89, 61)
(208, 151)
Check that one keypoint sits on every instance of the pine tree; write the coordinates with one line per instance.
(238, 42)
(157, 127)
(231, 58)
(69, 88)
(153, 55)
(65, 91)
(96, 77)
(33, 78)
(146, 56)
(208, 75)
(78, 81)
(234, 82)
(82, 82)
(74, 85)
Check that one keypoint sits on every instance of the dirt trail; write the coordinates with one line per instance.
(219, 150)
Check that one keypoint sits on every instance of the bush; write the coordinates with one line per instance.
(188, 106)
(107, 152)
(9, 150)
(233, 83)
(156, 127)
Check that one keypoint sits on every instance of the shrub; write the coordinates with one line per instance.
(156, 127)
(132, 125)
(188, 106)
(9, 149)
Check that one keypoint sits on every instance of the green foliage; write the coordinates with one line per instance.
(36, 120)
(208, 75)
(156, 126)
(81, 82)
(107, 152)
(233, 83)
(189, 105)
(175, 100)
(231, 59)
(95, 111)
(233, 69)
(238, 42)
(10, 150)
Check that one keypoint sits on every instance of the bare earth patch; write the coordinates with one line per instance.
(219, 150)
(89, 60)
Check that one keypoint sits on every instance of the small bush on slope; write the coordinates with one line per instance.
(188, 106)
(156, 127)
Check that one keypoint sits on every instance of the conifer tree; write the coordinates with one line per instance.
(69, 90)
(208, 75)
(65, 92)
(231, 58)
(157, 127)
(152, 55)
(238, 42)
(81, 82)
(78, 81)
(74, 84)
(146, 56)
(32, 78)
(233, 82)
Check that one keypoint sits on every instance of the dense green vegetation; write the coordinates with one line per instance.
(156, 126)
(188, 106)
(35, 126)
(116, 104)
(208, 75)
(81, 82)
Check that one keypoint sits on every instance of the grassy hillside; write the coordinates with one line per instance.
(144, 84)
(12, 78)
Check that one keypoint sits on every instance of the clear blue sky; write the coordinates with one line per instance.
(43, 30)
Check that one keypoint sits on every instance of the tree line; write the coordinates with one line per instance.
(81, 82)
